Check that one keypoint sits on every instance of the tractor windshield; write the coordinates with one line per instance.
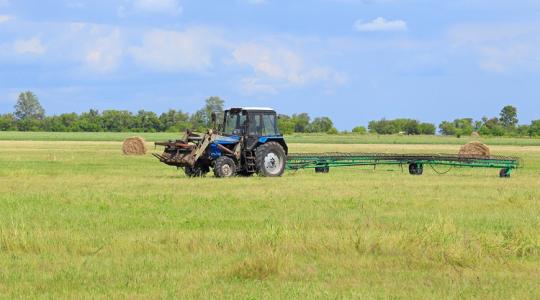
(233, 123)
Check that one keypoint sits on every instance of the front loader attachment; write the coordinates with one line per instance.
(186, 152)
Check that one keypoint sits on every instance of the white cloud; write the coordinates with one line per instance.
(29, 46)
(104, 52)
(174, 51)
(380, 24)
(276, 67)
(500, 47)
(171, 7)
(6, 18)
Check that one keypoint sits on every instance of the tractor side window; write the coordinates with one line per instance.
(269, 127)
(234, 122)
(255, 124)
(230, 123)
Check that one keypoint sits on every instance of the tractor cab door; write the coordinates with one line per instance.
(254, 130)
(260, 124)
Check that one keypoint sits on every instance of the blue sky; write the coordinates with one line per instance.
(352, 60)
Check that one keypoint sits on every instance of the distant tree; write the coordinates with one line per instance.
(321, 124)
(447, 128)
(7, 122)
(174, 121)
(464, 126)
(492, 127)
(523, 130)
(407, 126)
(117, 120)
(508, 117)
(301, 122)
(427, 128)
(359, 130)
(146, 121)
(383, 127)
(411, 127)
(534, 129)
(29, 124)
(90, 121)
(332, 130)
(28, 107)
(285, 124)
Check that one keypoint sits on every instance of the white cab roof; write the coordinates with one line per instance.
(257, 108)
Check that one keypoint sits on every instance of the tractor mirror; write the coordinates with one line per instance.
(214, 117)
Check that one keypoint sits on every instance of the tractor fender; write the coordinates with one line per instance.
(278, 139)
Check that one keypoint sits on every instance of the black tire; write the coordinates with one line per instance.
(325, 169)
(416, 169)
(197, 171)
(224, 167)
(270, 160)
(504, 173)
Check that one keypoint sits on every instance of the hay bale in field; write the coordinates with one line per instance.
(475, 134)
(134, 146)
(475, 149)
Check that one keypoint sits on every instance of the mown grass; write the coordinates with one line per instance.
(80, 220)
(294, 138)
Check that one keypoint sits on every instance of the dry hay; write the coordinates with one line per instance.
(475, 134)
(134, 146)
(475, 149)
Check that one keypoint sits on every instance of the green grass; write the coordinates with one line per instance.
(294, 138)
(80, 220)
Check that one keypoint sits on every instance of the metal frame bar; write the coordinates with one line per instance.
(312, 160)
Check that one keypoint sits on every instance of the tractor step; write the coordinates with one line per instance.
(250, 161)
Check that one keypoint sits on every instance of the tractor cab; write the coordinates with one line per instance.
(250, 121)
(256, 125)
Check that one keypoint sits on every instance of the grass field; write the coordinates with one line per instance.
(80, 220)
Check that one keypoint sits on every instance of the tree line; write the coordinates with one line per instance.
(507, 124)
(29, 115)
(504, 125)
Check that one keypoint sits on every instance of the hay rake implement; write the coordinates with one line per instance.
(322, 162)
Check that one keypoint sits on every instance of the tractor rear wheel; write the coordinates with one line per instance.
(270, 160)
(224, 167)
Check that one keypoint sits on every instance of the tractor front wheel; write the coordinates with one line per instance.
(224, 167)
(270, 159)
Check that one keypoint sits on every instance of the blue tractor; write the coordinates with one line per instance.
(247, 142)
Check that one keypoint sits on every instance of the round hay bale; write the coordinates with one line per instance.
(475, 134)
(134, 146)
(475, 149)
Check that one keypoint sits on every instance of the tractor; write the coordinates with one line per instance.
(246, 142)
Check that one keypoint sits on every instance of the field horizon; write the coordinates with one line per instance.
(298, 138)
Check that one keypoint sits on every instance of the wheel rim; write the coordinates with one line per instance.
(226, 170)
(272, 163)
